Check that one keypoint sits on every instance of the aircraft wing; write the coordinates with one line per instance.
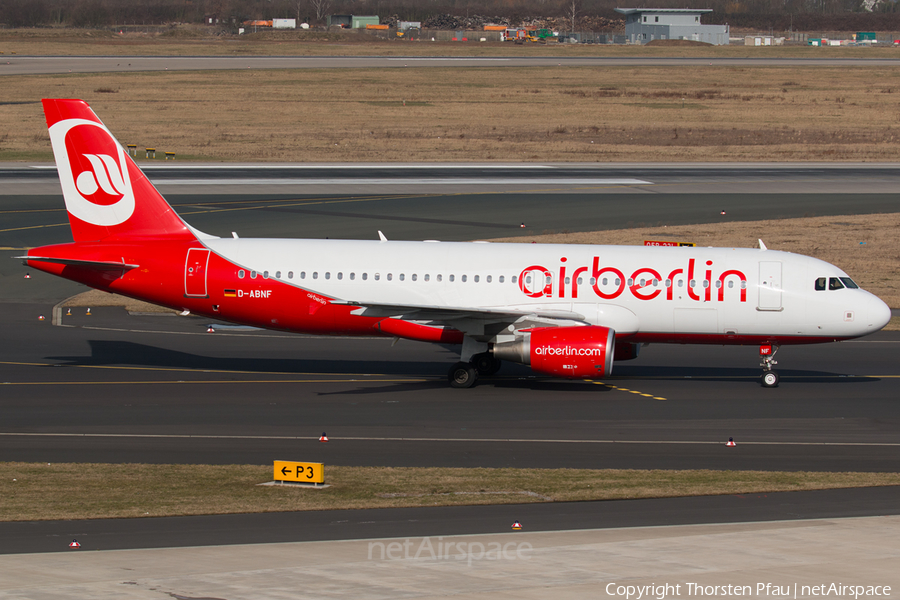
(449, 314)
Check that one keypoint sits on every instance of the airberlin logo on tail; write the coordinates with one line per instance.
(104, 175)
(93, 172)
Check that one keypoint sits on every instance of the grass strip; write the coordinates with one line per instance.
(43, 491)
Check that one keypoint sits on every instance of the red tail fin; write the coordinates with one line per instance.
(106, 193)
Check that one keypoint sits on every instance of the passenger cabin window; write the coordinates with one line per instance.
(290, 274)
(820, 284)
(834, 283)
(252, 274)
(277, 274)
(241, 274)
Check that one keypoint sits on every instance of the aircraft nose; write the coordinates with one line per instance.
(878, 313)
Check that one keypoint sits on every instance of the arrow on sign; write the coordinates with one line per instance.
(285, 470)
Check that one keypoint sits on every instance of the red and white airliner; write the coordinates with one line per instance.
(565, 310)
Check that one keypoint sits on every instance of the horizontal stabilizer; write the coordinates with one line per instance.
(99, 265)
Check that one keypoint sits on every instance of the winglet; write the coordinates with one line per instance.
(381, 236)
(762, 246)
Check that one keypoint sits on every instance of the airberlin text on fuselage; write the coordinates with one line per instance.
(610, 282)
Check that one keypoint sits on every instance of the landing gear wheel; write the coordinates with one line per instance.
(769, 379)
(485, 364)
(462, 375)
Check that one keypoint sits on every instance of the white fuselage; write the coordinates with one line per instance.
(663, 291)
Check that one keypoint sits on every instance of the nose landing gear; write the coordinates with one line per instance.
(769, 378)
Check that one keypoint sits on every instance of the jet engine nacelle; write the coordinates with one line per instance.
(574, 352)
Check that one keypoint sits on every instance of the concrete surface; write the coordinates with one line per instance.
(567, 564)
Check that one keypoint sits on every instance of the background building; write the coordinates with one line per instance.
(643, 25)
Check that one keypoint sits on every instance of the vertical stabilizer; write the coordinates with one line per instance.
(106, 194)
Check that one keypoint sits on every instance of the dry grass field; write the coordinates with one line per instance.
(641, 113)
(42, 491)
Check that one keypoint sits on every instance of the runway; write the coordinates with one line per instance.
(309, 526)
(160, 389)
(463, 202)
(45, 65)
(115, 387)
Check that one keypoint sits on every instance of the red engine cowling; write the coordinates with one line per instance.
(573, 352)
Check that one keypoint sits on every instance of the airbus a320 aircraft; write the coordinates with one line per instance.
(565, 310)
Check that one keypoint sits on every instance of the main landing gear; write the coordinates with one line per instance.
(769, 378)
(465, 374)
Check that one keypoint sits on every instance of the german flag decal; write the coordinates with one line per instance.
(231, 293)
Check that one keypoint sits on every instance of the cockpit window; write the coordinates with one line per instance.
(850, 283)
(834, 283)
(820, 283)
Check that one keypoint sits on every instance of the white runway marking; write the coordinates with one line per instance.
(411, 181)
(422, 439)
